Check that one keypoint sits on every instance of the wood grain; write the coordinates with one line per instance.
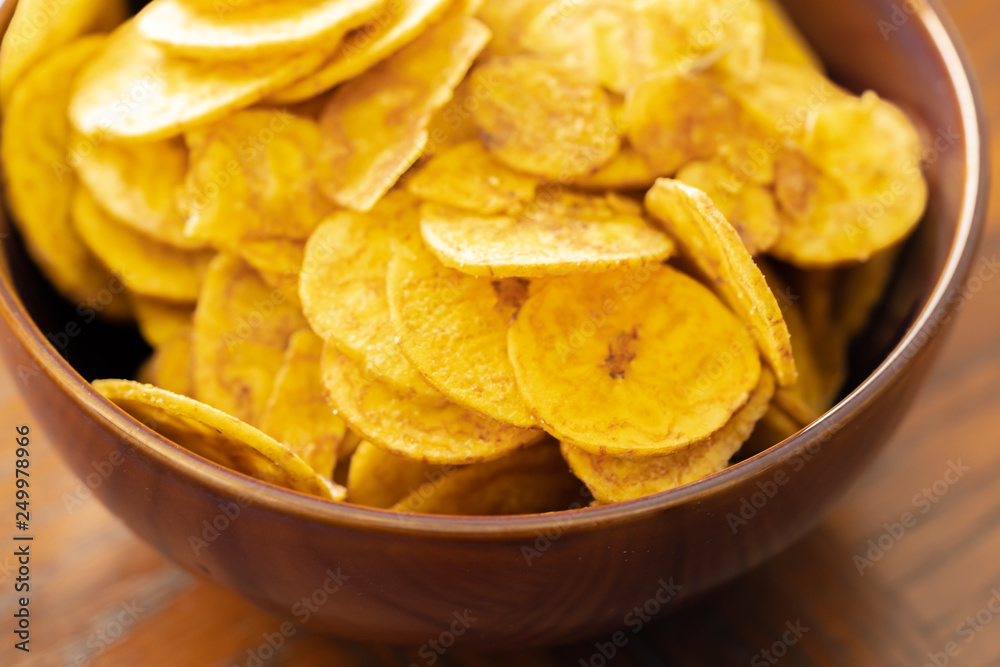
(102, 598)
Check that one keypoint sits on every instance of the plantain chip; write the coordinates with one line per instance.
(636, 363)
(555, 235)
(241, 331)
(466, 176)
(435, 431)
(431, 303)
(161, 321)
(774, 427)
(708, 240)
(453, 124)
(507, 21)
(860, 289)
(375, 126)
(134, 90)
(613, 479)
(544, 120)
(379, 478)
(170, 366)
(296, 414)
(395, 25)
(248, 31)
(628, 170)
(782, 40)
(216, 436)
(145, 266)
(40, 186)
(530, 481)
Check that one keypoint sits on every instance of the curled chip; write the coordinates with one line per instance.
(161, 321)
(138, 184)
(375, 126)
(466, 176)
(542, 119)
(343, 290)
(40, 185)
(631, 363)
(530, 481)
(394, 26)
(217, 437)
(379, 478)
(171, 366)
(613, 479)
(296, 414)
(251, 30)
(711, 243)
(431, 303)
(241, 330)
(35, 32)
(252, 175)
(552, 236)
(165, 95)
(435, 431)
(145, 266)
(748, 207)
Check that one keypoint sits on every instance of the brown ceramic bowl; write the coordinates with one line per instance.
(533, 580)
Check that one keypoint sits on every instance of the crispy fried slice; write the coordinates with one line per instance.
(379, 478)
(507, 20)
(561, 235)
(716, 249)
(431, 303)
(296, 414)
(531, 481)
(170, 367)
(246, 31)
(40, 186)
(145, 266)
(435, 431)
(628, 170)
(241, 330)
(161, 321)
(468, 177)
(453, 124)
(749, 208)
(544, 120)
(165, 95)
(782, 40)
(375, 126)
(614, 479)
(216, 436)
(637, 363)
(394, 26)
(39, 28)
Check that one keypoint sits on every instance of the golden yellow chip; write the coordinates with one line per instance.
(544, 120)
(453, 124)
(717, 250)
(343, 290)
(39, 27)
(613, 479)
(396, 24)
(782, 40)
(145, 266)
(252, 175)
(138, 184)
(507, 20)
(171, 366)
(531, 481)
(435, 431)
(637, 362)
(247, 31)
(134, 90)
(375, 126)
(468, 177)
(216, 436)
(241, 330)
(378, 478)
(40, 185)
(161, 321)
(296, 414)
(748, 207)
(561, 235)
(628, 170)
(431, 303)
(860, 290)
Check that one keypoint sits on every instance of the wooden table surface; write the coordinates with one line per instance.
(100, 597)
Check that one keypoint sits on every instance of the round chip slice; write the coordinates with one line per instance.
(171, 366)
(708, 240)
(435, 431)
(635, 363)
(430, 303)
(378, 478)
(161, 321)
(614, 479)
(217, 437)
(556, 236)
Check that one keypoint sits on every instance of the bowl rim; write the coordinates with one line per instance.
(224, 482)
